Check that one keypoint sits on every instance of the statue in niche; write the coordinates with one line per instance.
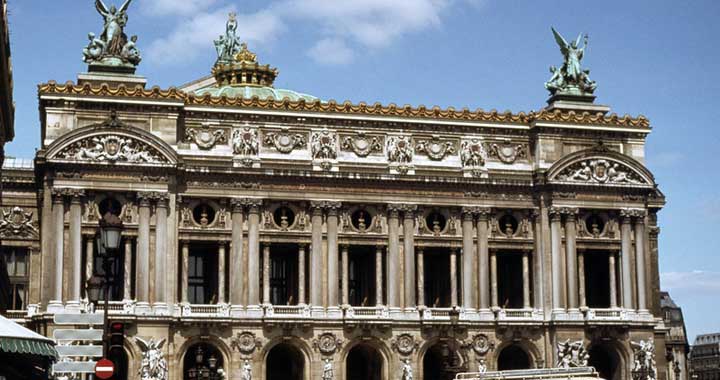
(407, 372)
(328, 373)
(571, 78)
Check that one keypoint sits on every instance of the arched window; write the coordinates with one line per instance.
(363, 363)
(513, 357)
(442, 361)
(284, 362)
(203, 361)
(606, 361)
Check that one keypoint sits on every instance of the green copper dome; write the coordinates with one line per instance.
(248, 92)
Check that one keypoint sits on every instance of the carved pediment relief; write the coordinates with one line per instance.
(600, 166)
(112, 148)
(18, 223)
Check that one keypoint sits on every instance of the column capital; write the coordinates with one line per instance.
(483, 213)
(145, 197)
(636, 213)
(239, 204)
(467, 213)
(406, 208)
(325, 205)
(72, 193)
(557, 212)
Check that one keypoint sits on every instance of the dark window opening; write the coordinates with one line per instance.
(203, 274)
(284, 217)
(284, 362)
(606, 362)
(110, 205)
(361, 219)
(116, 285)
(508, 225)
(202, 361)
(510, 280)
(442, 362)
(204, 214)
(436, 222)
(436, 266)
(595, 225)
(513, 357)
(597, 279)
(17, 262)
(284, 274)
(364, 363)
(361, 276)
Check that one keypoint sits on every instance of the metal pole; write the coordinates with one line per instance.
(106, 268)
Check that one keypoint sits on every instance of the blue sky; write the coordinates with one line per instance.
(658, 58)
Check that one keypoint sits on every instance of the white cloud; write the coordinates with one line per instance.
(196, 36)
(175, 7)
(333, 51)
(696, 281)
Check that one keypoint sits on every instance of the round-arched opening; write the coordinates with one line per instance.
(111, 205)
(202, 361)
(361, 219)
(284, 217)
(442, 361)
(513, 357)
(284, 362)
(606, 361)
(204, 214)
(595, 224)
(436, 222)
(363, 363)
(508, 225)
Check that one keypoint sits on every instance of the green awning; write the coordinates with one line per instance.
(16, 339)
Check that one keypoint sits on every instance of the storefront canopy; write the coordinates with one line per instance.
(15, 339)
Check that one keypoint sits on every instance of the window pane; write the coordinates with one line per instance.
(20, 263)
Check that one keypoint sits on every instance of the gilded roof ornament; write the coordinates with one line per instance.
(112, 50)
(571, 79)
(245, 55)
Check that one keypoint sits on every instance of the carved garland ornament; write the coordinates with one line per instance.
(327, 343)
(435, 148)
(111, 148)
(362, 145)
(205, 138)
(404, 344)
(284, 141)
(246, 342)
(17, 223)
(507, 152)
(600, 171)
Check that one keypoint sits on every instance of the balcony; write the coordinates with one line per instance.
(518, 315)
(364, 312)
(287, 311)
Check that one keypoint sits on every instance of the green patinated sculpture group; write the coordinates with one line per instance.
(570, 79)
(112, 48)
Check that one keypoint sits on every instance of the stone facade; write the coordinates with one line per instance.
(705, 357)
(676, 342)
(301, 239)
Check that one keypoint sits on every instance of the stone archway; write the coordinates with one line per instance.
(513, 357)
(606, 361)
(202, 359)
(284, 362)
(442, 361)
(363, 362)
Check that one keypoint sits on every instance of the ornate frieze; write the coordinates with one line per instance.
(362, 144)
(18, 224)
(399, 153)
(572, 354)
(507, 152)
(323, 147)
(435, 148)
(245, 141)
(404, 344)
(284, 141)
(473, 157)
(205, 137)
(600, 171)
(112, 148)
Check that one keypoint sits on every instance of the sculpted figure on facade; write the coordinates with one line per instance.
(570, 78)
(111, 148)
(399, 153)
(644, 367)
(112, 47)
(323, 145)
(473, 157)
(600, 171)
(17, 223)
(228, 45)
(572, 354)
(153, 365)
(328, 373)
(246, 373)
(407, 371)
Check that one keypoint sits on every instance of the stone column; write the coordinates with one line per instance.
(221, 272)
(393, 258)
(581, 278)
(483, 257)
(526, 279)
(640, 260)
(127, 270)
(253, 274)
(469, 266)
(453, 278)
(142, 282)
(345, 276)
(332, 262)
(237, 262)
(493, 279)
(185, 252)
(409, 253)
(89, 259)
(58, 209)
(316, 293)
(571, 258)
(538, 258)
(266, 273)
(626, 246)
(75, 284)
(301, 275)
(555, 241)
(378, 275)
(421, 276)
(161, 244)
(613, 280)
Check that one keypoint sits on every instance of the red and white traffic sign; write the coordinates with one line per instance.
(104, 369)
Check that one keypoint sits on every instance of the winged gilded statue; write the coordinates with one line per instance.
(571, 78)
(112, 42)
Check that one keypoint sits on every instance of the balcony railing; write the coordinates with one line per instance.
(365, 312)
(287, 311)
(16, 315)
(519, 315)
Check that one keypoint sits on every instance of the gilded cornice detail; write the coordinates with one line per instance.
(348, 108)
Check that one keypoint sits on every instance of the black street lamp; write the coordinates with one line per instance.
(108, 246)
